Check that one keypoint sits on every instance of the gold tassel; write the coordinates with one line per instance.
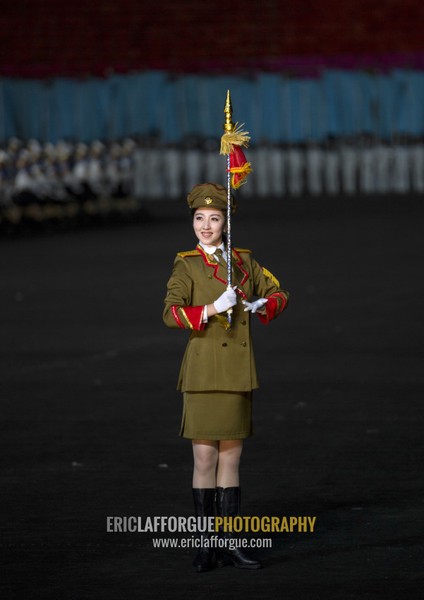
(237, 137)
(245, 170)
(223, 321)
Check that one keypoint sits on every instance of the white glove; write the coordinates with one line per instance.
(226, 300)
(254, 306)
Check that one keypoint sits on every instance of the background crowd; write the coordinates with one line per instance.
(75, 180)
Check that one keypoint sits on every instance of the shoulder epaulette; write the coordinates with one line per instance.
(243, 250)
(271, 276)
(188, 253)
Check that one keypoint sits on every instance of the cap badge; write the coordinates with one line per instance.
(208, 200)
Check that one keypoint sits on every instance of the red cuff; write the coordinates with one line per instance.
(189, 317)
(276, 304)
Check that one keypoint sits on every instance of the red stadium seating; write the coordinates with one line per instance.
(43, 38)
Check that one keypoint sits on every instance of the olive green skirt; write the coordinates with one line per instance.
(216, 415)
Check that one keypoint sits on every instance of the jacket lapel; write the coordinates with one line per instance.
(238, 262)
(219, 272)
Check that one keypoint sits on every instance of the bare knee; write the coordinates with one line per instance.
(205, 456)
(230, 453)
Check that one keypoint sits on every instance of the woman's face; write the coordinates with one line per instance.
(209, 225)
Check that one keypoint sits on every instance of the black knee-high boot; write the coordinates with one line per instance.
(204, 506)
(228, 505)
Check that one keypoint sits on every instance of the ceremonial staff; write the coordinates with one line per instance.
(237, 170)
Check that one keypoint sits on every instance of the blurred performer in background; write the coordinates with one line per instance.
(417, 165)
(218, 371)
(80, 172)
(95, 172)
(262, 161)
(382, 153)
(213, 160)
(153, 168)
(401, 183)
(26, 192)
(349, 166)
(367, 166)
(277, 171)
(332, 168)
(314, 160)
(126, 167)
(172, 170)
(296, 170)
(193, 161)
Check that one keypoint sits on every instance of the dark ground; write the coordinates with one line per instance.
(89, 410)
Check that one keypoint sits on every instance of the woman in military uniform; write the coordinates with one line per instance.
(218, 371)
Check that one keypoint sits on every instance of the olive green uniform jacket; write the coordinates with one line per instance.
(218, 358)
